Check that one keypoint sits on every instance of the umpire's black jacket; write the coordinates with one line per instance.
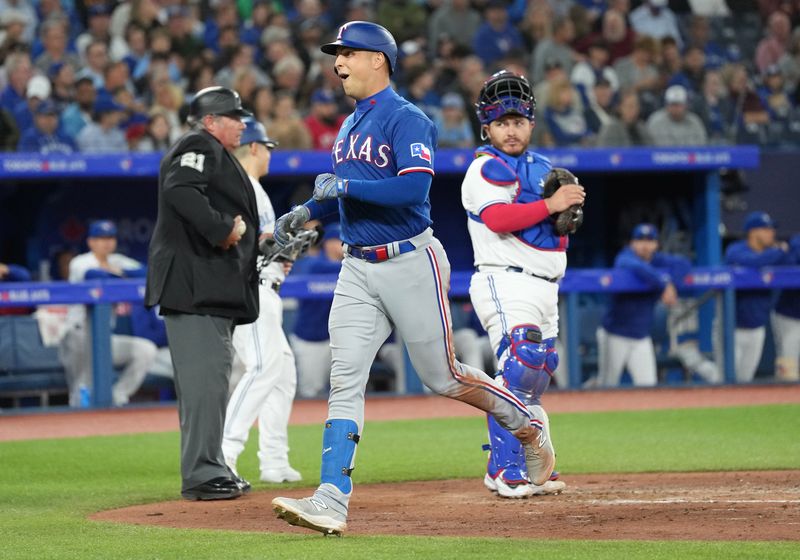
(201, 188)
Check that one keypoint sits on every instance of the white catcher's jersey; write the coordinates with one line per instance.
(266, 224)
(503, 249)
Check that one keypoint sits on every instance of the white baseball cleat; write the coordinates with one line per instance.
(506, 489)
(321, 512)
(518, 490)
(283, 474)
(551, 487)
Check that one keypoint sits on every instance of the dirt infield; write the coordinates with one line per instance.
(692, 506)
(663, 506)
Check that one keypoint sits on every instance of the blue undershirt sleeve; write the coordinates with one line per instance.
(395, 192)
(744, 256)
(644, 271)
(17, 273)
(99, 274)
(321, 208)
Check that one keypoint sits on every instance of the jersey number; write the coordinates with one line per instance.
(193, 160)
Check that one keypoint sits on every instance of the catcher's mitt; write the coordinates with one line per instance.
(569, 220)
(298, 243)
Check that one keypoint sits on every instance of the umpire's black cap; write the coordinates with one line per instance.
(216, 100)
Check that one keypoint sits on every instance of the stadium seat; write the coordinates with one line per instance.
(28, 368)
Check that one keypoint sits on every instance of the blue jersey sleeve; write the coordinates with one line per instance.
(413, 141)
(676, 266)
(741, 254)
(794, 250)
(99, 274)
(17, 273)
(644, 271)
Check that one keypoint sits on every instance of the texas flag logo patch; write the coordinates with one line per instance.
(420, 150)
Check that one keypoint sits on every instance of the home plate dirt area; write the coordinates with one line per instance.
(759, 505)
(691, 506)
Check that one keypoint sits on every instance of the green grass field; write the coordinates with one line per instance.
(50, 486)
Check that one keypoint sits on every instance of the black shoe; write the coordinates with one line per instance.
(244, 486)
(220, 488)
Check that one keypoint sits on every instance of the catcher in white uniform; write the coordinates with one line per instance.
(520, 214)
(267, 388)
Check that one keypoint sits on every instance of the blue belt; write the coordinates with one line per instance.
(380, 253)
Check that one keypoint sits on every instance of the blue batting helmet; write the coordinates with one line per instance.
(366, 36)
(254, 131)
(503, 93)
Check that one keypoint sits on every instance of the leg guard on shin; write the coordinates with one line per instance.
(338, 451)
(529, 363)
(506, 459)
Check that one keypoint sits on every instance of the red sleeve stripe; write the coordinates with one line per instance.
(415, 169)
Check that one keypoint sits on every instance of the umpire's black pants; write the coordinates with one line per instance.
(202, 354)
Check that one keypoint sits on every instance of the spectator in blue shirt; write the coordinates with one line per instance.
(103, 134)
(453, 124)
(37, 90)
(623, 340)
(496, 37)
(79, 113)
(565, 118)
(14, 273)
(760, 248)
(786, 324)
(44, 137)
(775, 96)
(693, 71)
(310, 340)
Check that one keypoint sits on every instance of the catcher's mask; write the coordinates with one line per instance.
(504, 93)
(298, 244)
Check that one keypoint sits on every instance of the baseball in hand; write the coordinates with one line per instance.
(241, 227)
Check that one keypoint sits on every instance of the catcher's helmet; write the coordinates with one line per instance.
(504, 93)
(367, 36)
(216, 100)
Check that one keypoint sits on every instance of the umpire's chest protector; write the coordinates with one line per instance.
(201, 189)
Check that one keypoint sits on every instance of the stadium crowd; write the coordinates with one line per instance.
(110, 76)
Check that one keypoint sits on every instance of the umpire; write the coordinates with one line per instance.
(202, 272)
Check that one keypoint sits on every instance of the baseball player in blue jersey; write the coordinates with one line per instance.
(519, 258)
(786, 324)
(395, 273)
(623, 339)
(760, 248)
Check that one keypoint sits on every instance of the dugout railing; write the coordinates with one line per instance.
(123, 185)
(101, 295)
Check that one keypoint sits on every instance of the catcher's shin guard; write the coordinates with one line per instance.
(529, 364)
(506, 458)
(338, 452)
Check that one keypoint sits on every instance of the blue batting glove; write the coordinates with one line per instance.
(327, 186)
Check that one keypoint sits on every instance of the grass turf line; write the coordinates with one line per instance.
(51, 485)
